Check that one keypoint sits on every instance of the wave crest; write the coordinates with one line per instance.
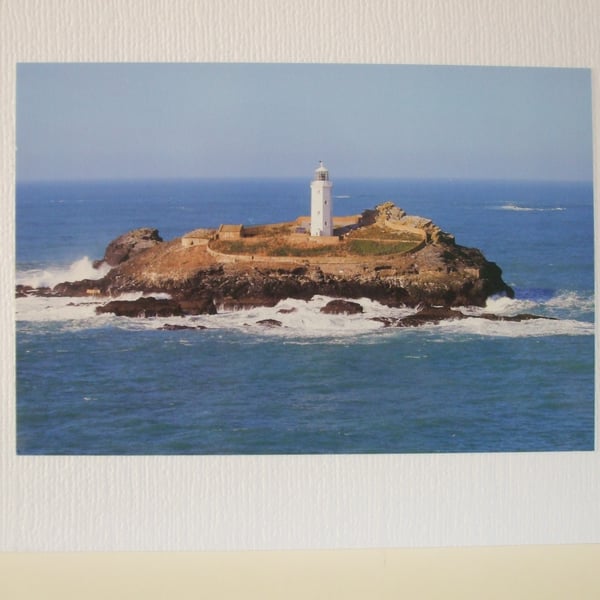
(51, 276)
(516, 207)
(540, 300)
(566, 300)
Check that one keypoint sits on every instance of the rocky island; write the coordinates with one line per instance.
(382, 254)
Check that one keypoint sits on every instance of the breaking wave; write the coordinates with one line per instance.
(571, 301)
(299, 319)
(51, 276)
(516, 207)
(546, 302)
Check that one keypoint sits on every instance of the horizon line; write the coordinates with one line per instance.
(165, 179)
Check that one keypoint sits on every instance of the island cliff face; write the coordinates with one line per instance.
(383, 255)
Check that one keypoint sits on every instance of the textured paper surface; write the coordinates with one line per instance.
(225, 503)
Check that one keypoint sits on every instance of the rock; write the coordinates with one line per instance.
(430, 315)
(172, 327)
(385, 321)
(198, 306)
(388, 211)
(342, 307)
(433, 315)
(229, 303)
(517, 318)
(128, 245)
(269, 323)
(287, 311)
(22, 291)
(439, 272)
(85, 287)
(142, 307)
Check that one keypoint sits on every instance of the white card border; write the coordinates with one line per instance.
(237, 503)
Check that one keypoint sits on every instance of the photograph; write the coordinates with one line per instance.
(303, 259)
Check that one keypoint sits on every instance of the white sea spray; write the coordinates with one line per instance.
(49, 277)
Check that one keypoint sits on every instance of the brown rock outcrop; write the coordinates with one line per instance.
(436, 271)
(129, 244)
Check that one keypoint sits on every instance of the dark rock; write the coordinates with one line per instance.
(198, 306)
(128, 245)
(433, 315)
(286, 311)
(22, 291)
(142, 307)
(517, 318)
(84, 287)
(385, 321)
(269, 323)
(430, 315)
(248, 303)
(342, 307)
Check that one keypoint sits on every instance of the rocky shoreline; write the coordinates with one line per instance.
(437, 276)
(148, 307)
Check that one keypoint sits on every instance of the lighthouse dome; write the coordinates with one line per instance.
(321, 173)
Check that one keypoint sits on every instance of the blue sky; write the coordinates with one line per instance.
(129, 121)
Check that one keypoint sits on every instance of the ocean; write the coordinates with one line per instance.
(104, 385)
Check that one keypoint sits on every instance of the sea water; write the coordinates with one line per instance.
(100, 384)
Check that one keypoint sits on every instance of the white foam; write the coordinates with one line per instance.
(571, 300)
(80, 269)
(507, 306)
(504, 306)
(303, 319)
(561, 301)
(37, 310)
(81, 310)
(521, 329)
(516, 207)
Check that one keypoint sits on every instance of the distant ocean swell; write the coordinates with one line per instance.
(517, 208)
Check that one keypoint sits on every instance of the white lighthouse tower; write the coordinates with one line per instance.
(321, 219)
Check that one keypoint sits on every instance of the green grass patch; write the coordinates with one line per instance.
(351, 247)
(378, 248)
(240, 247)
(316, 251)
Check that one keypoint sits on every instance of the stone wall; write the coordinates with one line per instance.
(310, 260)
(186, 242)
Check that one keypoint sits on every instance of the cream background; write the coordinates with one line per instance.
(269, 503)
(516, 573)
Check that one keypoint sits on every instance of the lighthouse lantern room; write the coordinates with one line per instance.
(321, 218)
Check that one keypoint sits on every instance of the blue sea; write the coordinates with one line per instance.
(103, 385)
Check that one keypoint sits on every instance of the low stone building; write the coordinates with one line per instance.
(198, 237)
(230, 232)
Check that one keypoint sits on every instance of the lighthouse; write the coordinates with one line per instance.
(321, 220)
